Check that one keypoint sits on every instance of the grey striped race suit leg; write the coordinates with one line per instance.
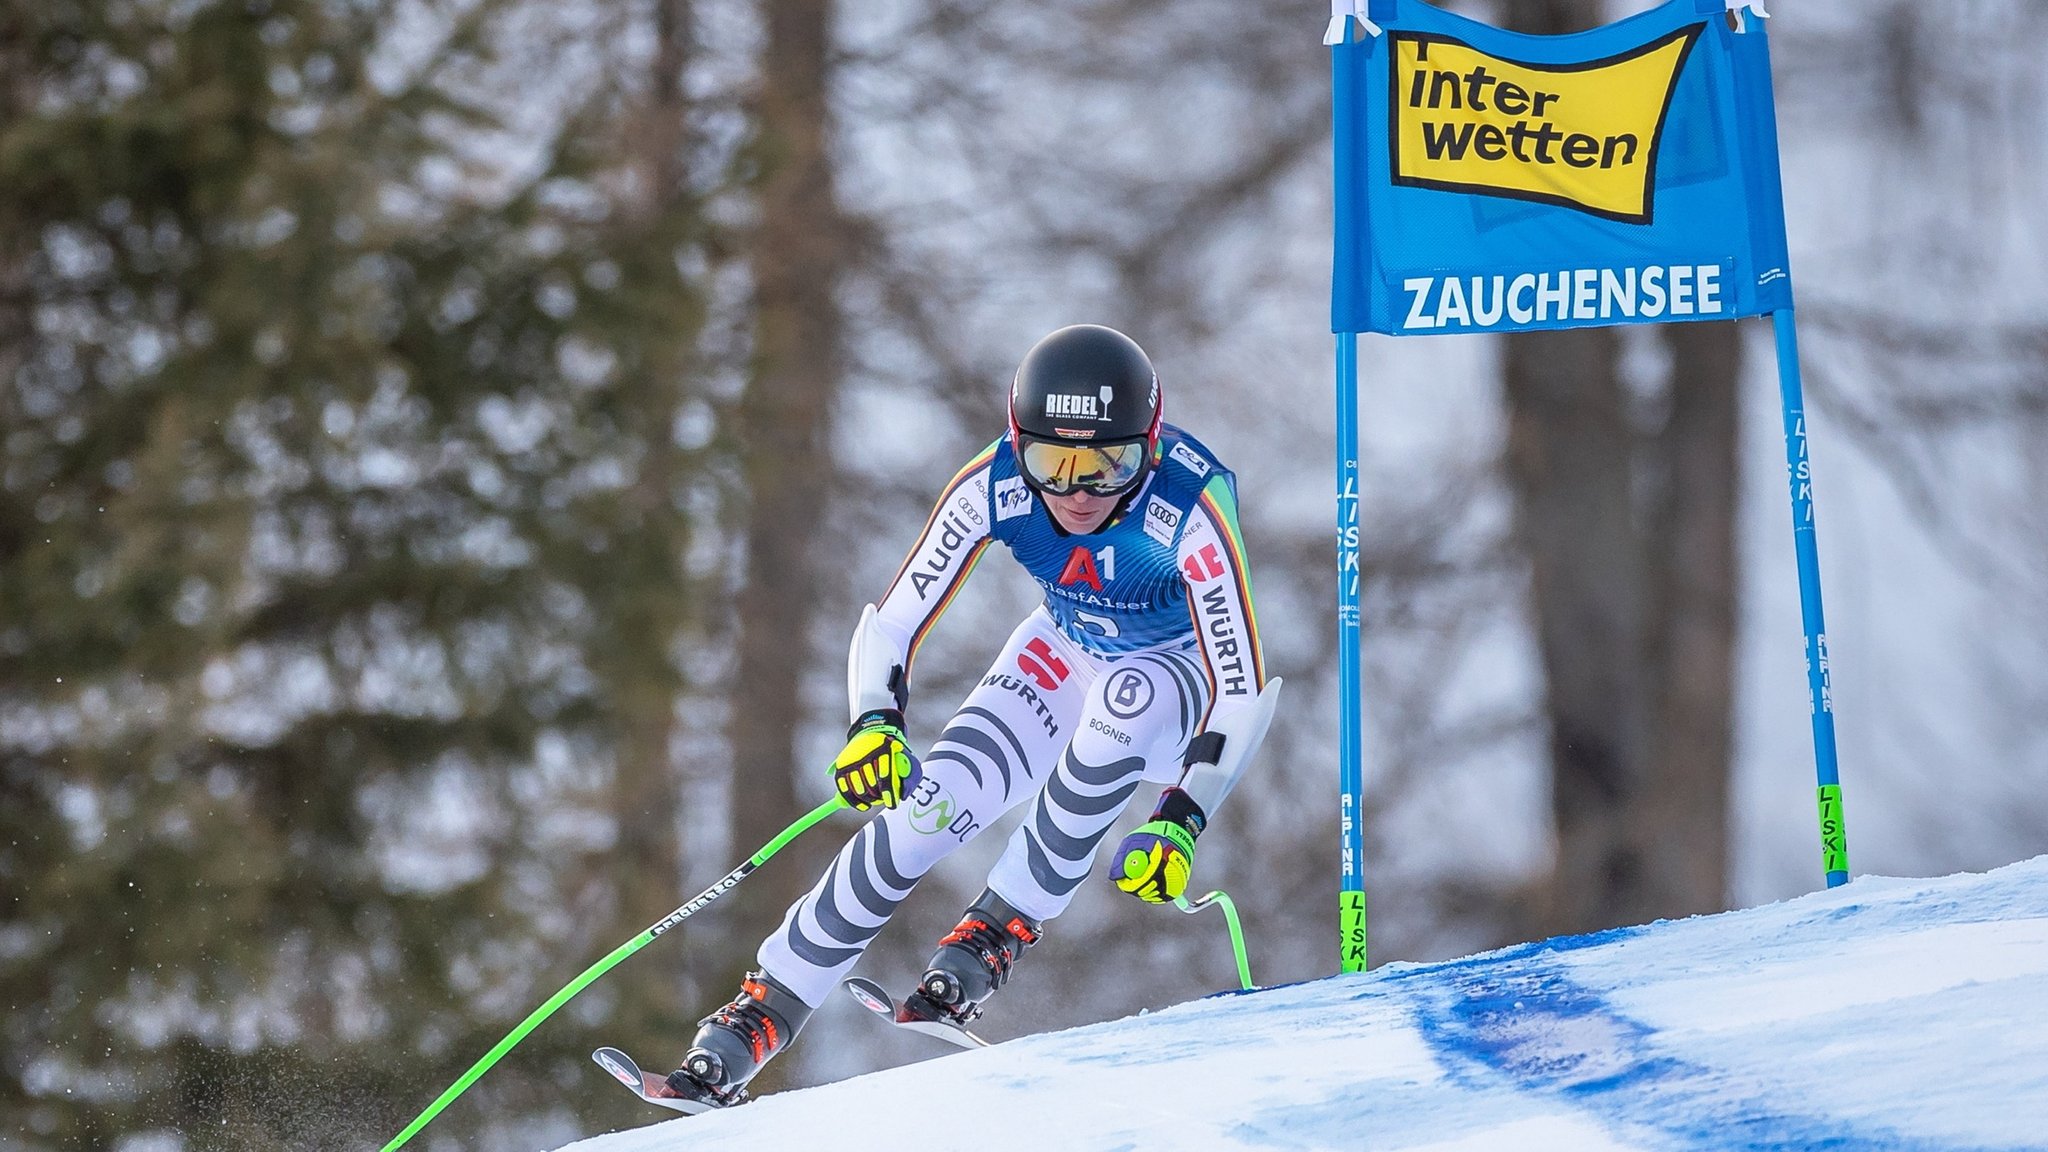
(1135, 725)
(991, 757)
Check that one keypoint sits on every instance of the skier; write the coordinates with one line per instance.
(1142, 663)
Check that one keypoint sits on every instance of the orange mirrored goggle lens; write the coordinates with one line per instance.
(1104, 469)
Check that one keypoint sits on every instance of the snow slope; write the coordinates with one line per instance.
(1887, 1014)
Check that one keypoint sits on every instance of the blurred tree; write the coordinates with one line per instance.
(1625, 500)
(1923, 345)
(796, 254)
(339, 565)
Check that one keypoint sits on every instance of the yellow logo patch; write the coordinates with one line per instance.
(1580, 135)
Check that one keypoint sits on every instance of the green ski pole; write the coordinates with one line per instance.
(1222, 899)
(725, 884)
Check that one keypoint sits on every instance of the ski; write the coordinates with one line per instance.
(915, 1014)
(655, 1089)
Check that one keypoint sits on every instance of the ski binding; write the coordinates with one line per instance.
(916, 1014)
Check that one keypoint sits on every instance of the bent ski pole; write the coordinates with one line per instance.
(1219, 897)
(725, 884)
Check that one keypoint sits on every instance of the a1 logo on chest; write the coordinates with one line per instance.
(1083, 567)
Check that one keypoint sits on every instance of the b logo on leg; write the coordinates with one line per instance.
(1130, 692)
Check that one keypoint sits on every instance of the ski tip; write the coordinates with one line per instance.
(620, 1065)
(872, 996)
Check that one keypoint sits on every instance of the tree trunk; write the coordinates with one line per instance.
(1569, 454)
(797, 253)
(1693, 576)
(645, 603)
(1630, 544)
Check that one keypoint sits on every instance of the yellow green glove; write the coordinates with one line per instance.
(1154, 861)
(875, 767)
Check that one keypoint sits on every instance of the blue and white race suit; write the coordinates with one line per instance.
(1146, 634)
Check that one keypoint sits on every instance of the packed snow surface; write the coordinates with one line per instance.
(1885, 1014)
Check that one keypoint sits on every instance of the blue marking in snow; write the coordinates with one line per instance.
(1525, 1020)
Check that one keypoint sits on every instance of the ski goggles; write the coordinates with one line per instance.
(1101, 469)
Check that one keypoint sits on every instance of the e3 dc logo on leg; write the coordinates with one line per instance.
(933, 812)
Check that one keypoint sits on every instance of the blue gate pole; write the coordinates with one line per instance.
(1834, 837)
(1350, 696)
(1347, 137)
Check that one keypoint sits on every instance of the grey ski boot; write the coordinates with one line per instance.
(735, 1042)
(975, 958)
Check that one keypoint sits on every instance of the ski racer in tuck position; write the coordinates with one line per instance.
(1141, 664)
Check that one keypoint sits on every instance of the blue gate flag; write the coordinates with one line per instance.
(1489, 181)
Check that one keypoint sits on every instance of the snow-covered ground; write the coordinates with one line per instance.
(1887, 1014)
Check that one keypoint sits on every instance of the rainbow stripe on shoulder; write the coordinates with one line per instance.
(1221, 503)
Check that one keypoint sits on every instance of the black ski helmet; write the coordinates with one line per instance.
(1086, 386)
